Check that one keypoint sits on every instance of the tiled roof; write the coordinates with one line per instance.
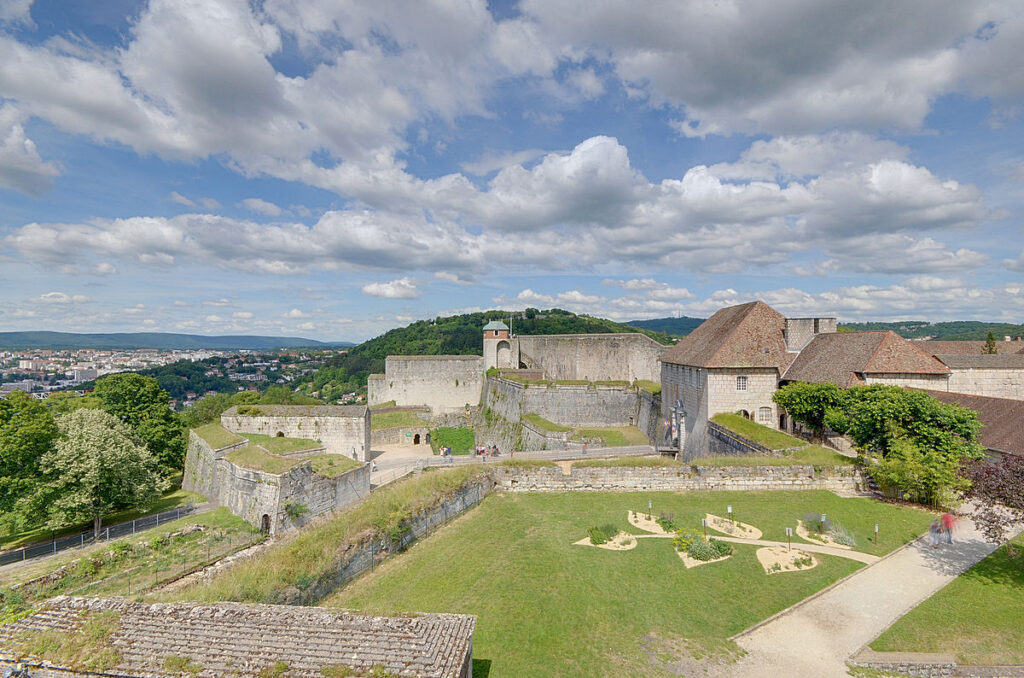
(302, 410)
(748, 335)
(1003, 419)
(983, 361)
(975, 347)
(840, 358)
(237, 639)
(495, 325)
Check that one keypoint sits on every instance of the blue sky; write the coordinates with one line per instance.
(333, 169)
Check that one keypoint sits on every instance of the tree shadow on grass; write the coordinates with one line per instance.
(481, 668)
(1000, 568)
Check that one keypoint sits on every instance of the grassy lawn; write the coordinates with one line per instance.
(652, 387)
(276, 445)
(132, 563)
(255, 458)
(399, 419)
(613, 436)
(216, 436)
(814, 455)
(381, 406)
(979, 616)
(170, 500)
(545, 425)
(332, 465)
(547, 607)
(460, 439)
(769, 437)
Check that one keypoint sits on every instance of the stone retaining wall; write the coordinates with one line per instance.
(723, 442)
(678, 478)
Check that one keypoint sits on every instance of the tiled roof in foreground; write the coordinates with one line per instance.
(843, 357)
(748, 335)
(240, 639)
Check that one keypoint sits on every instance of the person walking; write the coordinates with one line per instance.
(948, 523)
(933, 533)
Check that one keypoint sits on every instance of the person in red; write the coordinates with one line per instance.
(948, 523)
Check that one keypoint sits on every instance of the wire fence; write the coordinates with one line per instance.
(86, 538)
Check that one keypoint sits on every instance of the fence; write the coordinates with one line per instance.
(85, 538)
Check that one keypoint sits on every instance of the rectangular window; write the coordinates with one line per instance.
(741, 383)
(764, 415)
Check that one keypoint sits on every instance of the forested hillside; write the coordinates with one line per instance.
(677, 327)
(454, 335)
(158, 340)
(957, 330)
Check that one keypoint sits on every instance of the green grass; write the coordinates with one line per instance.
(814, 455)
(398, 419)
(613, 436)
(315, 551)
(170, 500)
(216, 436)
(331, 465)
(255, 458)
(460, 439)
(276, 445)
(652, 387)
(571, 382)
(979, 616)
(526, 463)
(547, 607)
(611, 382)
(769, 437)
(381, 406)
(545, 425)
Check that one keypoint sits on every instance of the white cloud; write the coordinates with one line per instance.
(214, 319)
(586, 81)
(217, 302)
(306, 326)
(104, 268)
(489, 162)
(296, 313)
(262, 207)
(1015, 264)
(60, 298)
(137, 309)
(16, 12)
(402, 288)
(451, 277)
(242, 315)
(21, 167)
(180, 199)
(209, 203)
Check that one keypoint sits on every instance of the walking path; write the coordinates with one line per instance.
(817, 636)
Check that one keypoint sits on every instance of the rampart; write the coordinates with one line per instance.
(569, 404)
(251, 494)
(679, 478)
(341, 430)
(444, 383)
(593, 357)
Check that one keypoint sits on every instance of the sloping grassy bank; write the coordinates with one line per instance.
(315, 552)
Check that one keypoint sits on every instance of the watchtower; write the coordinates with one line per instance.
(501, 350)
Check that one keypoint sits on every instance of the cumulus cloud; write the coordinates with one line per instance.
(262, 207)
(16, 12)
(21, 167)
(1015, 264)
(242, 315)
(402, 288)
(60, 298)
(217, 302)
(209, 203)
(180, 199)
(296, 313)
(490, 162)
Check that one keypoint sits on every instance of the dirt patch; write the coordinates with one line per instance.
(733, 528)
(775, 559)
(693, 562)
(803, 533)
(712, 657)
(641, 521)
(620, 542)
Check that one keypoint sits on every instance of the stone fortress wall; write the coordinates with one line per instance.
(990, 382)
(592, 357)
(341, 430)
(444, 383)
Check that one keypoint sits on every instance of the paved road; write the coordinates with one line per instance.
(817, 637)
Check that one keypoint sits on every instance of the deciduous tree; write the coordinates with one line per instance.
(27, 430)
(808, 403)
(144, 407)
(997, 490)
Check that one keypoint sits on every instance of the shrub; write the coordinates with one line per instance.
(597, 536)
(120, 549)
(295, 510)
(702, 550)
(158, 542)
(813, 523)
(684, 538)
(665, 521)
(801, 563)
(722, 548)
(841, 535)
(610, 531)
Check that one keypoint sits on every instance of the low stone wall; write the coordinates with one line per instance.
(397, 435)
(677, 478)
(648, 417)
(723, 442)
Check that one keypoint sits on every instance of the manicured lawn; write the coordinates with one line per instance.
(979, 616)
(276, 445)
(769, 437)
(460, 439)
(613, 436)
(652, 387)
(398, 419)
(545, 425)
(332, 465)
(814, 455)
(216, 436)
(172, 499)
(547, 607)
(255, 458)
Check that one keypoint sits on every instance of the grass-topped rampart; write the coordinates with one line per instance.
(397, 419)
(545, 425)
(317, 550)
(333, 465)
(812, 455)
(760, 434)
(216, 436)
(281, 445)
(259, 459)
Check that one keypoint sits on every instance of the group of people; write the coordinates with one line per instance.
(941, 527)
(488, 451)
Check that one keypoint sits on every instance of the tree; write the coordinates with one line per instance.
(64, 401)
(997, 490)
(93, 468)
(808, 403)
(206, 410)
(27, 430)
(140, 403)
(990, 345)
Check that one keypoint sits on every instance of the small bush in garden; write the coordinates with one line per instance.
(597, 536)
(158, 542)
(722, 548)
(702, 550)
(684, 538)
(806, 561)
(665, 521)
(841, 535)
(609, 531)
(120, 548)
(813, 522)
(777, 567)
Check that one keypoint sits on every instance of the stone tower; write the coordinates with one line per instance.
(500, 349)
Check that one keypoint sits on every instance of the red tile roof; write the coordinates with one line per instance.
(975, 347)
(841, 358)
(748, 335)
(1003, 419)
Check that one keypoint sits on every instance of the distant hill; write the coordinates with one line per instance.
(957, 330)
(156, 340)
(677, 327)
(454, 335)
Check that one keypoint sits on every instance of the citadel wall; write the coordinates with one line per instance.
(444, 383)
(592, 357)
(934, 382)
(991, 382)
(341, 430)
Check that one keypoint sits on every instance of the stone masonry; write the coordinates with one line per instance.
(341, 430)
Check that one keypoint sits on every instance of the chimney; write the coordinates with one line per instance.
(801, 331)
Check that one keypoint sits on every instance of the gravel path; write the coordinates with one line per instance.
(816, 637)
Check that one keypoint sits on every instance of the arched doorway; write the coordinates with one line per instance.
(280, 434)
(265, 524)
(746, 415)
(504, 357)
(416, 439)
(782, 422)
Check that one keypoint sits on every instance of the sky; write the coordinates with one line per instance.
(333, 169)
